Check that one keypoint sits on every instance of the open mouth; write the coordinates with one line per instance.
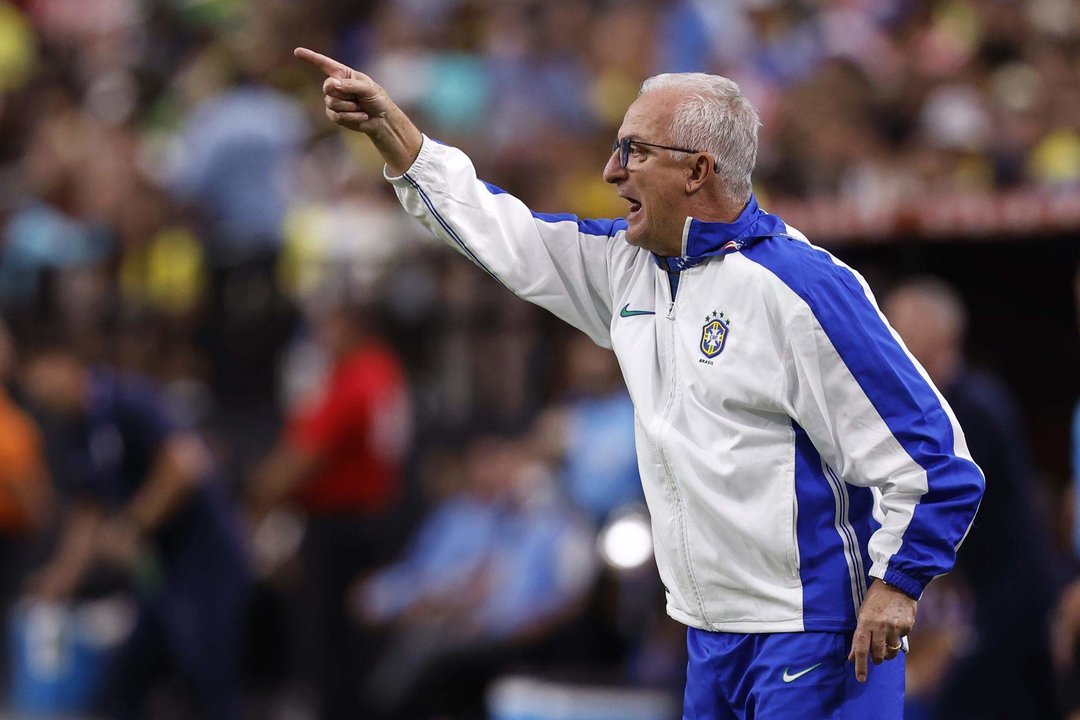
(635, 207)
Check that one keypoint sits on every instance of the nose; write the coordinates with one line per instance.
(613, 172)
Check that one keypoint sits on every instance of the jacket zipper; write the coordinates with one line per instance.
(662, 428)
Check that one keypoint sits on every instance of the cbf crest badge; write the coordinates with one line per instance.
(714, 334)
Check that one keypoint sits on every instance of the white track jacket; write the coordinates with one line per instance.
(790, 447)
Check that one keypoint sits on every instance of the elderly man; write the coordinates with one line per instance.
(805, 479)
(1009, 562)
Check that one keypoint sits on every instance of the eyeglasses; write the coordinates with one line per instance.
(623, 147)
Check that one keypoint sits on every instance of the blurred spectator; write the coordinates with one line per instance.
(491, 572)
(1004, 670)
(341, 462)
(25, 493)
(234, 150)
(162, 266)
(40, 238)
(591, 433)
(1065, 632)
(231, 165)
(344, 230)
(151, 507)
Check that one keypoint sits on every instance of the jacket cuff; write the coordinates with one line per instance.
(903, 583)
(423, 158)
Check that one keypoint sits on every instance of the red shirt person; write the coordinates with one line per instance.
(342, 451)
(357, 430)
(340, 461)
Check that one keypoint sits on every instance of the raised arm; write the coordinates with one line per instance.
(572, 267)
(356, 102)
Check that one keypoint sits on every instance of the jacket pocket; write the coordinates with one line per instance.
(792, 514)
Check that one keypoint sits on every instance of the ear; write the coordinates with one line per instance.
(699, 173)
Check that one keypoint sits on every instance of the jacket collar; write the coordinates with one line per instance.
(702, 240)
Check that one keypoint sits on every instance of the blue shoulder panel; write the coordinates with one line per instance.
(906, 402)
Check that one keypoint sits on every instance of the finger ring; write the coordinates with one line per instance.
(899, 644)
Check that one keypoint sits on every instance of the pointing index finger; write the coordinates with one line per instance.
(860, 647)
(328, 65)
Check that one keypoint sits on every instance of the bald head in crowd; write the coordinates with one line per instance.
(932, 320)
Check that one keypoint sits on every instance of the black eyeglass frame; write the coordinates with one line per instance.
(622, 145)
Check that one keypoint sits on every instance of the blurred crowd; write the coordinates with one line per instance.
(286, 457)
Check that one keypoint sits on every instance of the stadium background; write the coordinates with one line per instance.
(172, 196)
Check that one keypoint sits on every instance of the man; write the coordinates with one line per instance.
(1005, 669)
(149, 505)
(492, 574)
(805, 479)
(341, 461)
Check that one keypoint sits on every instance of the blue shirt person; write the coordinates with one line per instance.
(147, 503)
(491, 570)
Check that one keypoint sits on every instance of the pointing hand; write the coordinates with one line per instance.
(885, 618)
(353, 100)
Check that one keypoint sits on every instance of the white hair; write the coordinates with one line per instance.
(715, 118)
